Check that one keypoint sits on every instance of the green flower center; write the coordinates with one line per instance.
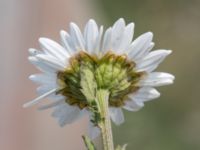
(111, 72)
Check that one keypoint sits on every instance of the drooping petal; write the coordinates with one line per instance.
(116, 115)
(38, 99)
(157, 79)
(66, 114)
(136, 100)
(93, 131)
(145, 94)
(133, 105)
(51, 105)
(152, 60)
(47, 87)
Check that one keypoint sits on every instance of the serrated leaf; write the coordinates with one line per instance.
(88, 83)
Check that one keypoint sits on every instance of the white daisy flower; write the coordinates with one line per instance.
(123, 67)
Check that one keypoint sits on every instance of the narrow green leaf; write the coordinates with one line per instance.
(88, 143)
(121, 147)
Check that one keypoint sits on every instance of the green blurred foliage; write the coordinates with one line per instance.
(171, 122)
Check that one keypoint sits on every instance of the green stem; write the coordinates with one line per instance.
(105, 124)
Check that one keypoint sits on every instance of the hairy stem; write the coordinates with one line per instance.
(105, 124)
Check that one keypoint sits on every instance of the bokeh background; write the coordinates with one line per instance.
(170, 122)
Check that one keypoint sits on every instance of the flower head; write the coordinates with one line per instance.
(112, 61)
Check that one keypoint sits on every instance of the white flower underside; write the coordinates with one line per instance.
(117, 38)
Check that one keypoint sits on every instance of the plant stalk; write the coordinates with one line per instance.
(105, 124)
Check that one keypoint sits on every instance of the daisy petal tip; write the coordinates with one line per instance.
(150, 34)
(168, 52)
(131, 26)
(170, 81)
(152, 44)
(32, 59)
(42, 39)
(31, 77)
(155, 93)
(31, 50)
(91, 21)
(62, 32)
(169, 76)
(26, 105)
(173, 77)
(164, 52)
(73, 25)
(167, 82)
(121, 20)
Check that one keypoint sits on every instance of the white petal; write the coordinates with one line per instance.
(66, 41)
(126, 38)
(41, 66)
(152, 44)
(116, 115)
(38, 99)
(90, 35)
(43, 78)
(117, 34)
(157, 79)
(99, 40)
(76, 37)
(152, 60)
(133, 105)
(34, 52)
(140, 46)
(145, 94)
(94, 131)
(54, 49)
(51, 105)
(51, 61)
(47, 87)
(107, 41)
(66, 114)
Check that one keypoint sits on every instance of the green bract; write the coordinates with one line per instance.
(111, 72)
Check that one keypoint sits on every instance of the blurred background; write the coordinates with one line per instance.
(170, 122)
